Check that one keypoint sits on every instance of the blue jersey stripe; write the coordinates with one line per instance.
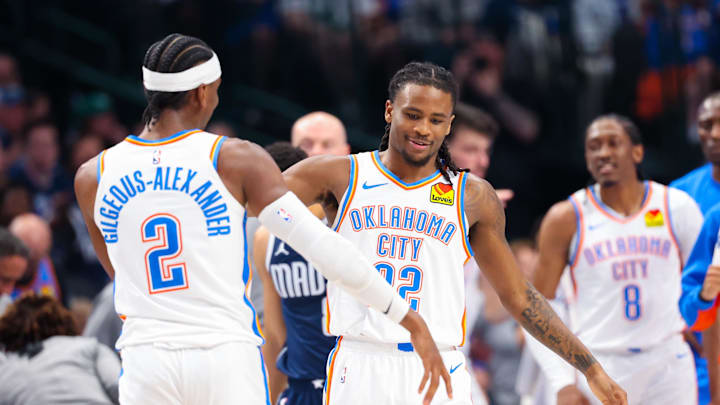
(246, 278)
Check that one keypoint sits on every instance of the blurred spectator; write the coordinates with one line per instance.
(104, 324)
(14, 256)
(479, 70)
(73, 255)
(95, 115)
(471, 142)
(320, 133)
(39, 169)
(45, 362)
(40, 275)
(12, 105)
(16, 199)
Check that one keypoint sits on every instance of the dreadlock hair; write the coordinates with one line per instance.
(32, 319)
(174, 53)
(426, 74)
(630, 129)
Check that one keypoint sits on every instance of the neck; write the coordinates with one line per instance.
(169, 122)
(407, 172)
(625, 198)
(716, 172)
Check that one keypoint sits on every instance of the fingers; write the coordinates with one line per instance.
(424, 380)
(448, 385)
(434, 382)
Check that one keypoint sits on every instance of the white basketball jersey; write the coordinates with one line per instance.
(176, 239)
(626, 273)
(416, 236)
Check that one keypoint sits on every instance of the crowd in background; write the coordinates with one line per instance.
(542, 68)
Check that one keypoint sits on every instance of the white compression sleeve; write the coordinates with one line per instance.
(334, 256)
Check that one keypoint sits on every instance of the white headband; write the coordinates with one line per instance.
(204, 73)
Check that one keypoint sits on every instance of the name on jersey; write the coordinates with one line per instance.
(627, 245)
(296, 279)
(179, 179)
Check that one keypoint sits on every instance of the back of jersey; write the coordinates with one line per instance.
(176, 239)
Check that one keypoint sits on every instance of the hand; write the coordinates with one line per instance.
(711, 285)
(425, 348)
(505, 195)
(605, 389)
(571, 395)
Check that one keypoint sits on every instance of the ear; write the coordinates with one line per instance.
(638, 152)
(449, 128)
(201, 93)
(388, 111)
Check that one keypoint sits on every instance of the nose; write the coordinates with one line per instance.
(423, 128)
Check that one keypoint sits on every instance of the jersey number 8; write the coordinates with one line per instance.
(164, 272)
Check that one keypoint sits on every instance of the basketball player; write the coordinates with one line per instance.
(419, 219)
(296, 346)
(174, 201)
(624, 241)
(703, 185)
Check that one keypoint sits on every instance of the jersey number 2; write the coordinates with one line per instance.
(410, 278)
(164, 271)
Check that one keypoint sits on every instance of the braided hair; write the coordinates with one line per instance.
(426, 74)
(174, 53)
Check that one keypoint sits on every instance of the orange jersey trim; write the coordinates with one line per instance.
(391, 177)
(140, 142)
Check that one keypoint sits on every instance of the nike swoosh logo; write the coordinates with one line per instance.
(681, 355)
(595, 226)
(365, 186)
(452, 369)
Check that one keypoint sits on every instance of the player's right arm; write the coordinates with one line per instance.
(252, 177)
(86, 182)
(273, 321)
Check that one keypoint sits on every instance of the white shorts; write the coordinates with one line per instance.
(365, 373)
(230, 373)
(662, 375)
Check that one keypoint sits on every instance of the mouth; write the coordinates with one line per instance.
(606, 168)
(419, 144)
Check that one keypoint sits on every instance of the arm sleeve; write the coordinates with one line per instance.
(335, 257)
(691, 304)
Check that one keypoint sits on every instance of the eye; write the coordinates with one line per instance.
(413, 116)
(436, 121)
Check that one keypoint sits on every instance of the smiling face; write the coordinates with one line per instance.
(419, 118)
(610, 155)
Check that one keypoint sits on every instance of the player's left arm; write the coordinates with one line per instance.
(493, 255)
(86, 183)
(273, 322)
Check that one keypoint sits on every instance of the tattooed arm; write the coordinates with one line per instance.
(492, 253)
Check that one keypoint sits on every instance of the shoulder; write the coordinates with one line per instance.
(86, 178)
(562, 214)
(678, 198)
(692, 177)
(481, 201)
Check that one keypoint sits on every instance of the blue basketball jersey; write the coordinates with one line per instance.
(302, 292)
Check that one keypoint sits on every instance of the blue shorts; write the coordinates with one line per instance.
(302, 392)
